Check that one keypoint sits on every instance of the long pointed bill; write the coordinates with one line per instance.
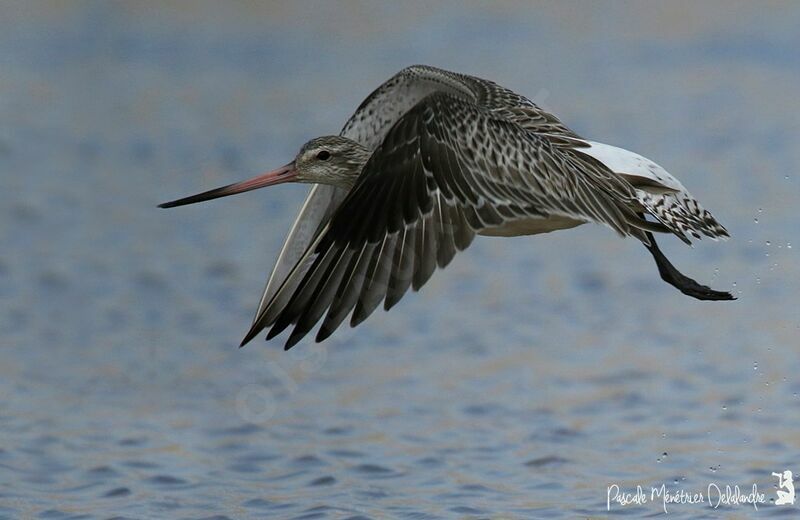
(283, 174)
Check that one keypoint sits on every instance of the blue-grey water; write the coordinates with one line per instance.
(522, 382)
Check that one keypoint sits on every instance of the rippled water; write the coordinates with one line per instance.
(522, 382)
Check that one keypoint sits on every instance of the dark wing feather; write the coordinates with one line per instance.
(446, 170)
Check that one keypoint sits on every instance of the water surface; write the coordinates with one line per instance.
(520, 383)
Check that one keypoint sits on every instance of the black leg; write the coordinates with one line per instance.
(677, 279)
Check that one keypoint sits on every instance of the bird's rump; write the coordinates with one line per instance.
(657, 192)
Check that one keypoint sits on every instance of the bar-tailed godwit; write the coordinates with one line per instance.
(430, 159)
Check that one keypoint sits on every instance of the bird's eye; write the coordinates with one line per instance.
(324, 155)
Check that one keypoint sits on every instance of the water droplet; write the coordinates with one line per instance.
(769, 243)
(755, 220)
(724, 407)
(755, 365)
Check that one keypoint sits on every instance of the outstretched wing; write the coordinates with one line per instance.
(368, 126)
(446, 170)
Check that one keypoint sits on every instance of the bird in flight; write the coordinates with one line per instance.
(430, 159)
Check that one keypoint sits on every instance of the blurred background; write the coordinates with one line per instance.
(524, 380)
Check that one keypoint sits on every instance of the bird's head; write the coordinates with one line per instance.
(330, 159)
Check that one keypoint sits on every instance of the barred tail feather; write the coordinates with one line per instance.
(683, 215)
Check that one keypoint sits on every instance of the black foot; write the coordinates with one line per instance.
(683, 283)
